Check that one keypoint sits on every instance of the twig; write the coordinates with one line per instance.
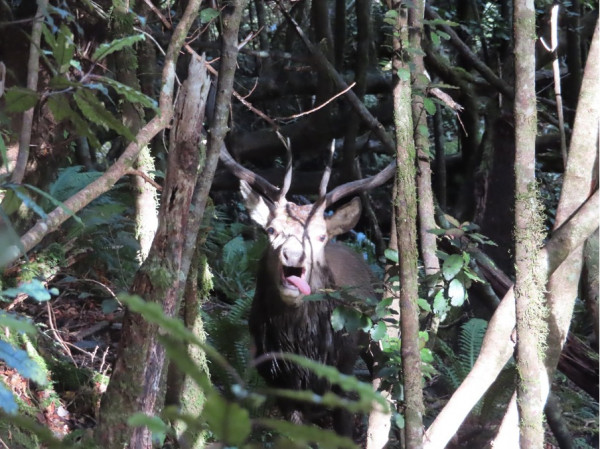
(54, 330)
(33, 66)
(145, 177)
(557, 87)
(322, 105)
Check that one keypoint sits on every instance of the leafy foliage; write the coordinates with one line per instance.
(12, 356)
(229, 419)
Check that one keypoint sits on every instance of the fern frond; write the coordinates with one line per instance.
(469, 341)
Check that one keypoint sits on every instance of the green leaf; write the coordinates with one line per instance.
(27, 200)
(20, 360)
(435, 38)
(229, 421)
(399, 420)
(65, 49)
(404, 73)
(7, 401)
(118, 44)
(96, 112)
(304, 434)
(452, 265)
(156, 425)
(440, 303)
(391, 255)
(62, 82)
(55, 202)
(15, 323)
(423, 304)
(379, 331)
(208, 14)
(34, 288)
(132, 95)
(456, 293)
(426, 355)
(444, 35)
(48, 37)
(345, 382)
(329, 399)
(382, 308)
(349, 319)
(20, 99)
(3, 152)
(61, 109)
(429, 105)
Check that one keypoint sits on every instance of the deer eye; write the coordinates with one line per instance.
(271, 230)
(322, 238)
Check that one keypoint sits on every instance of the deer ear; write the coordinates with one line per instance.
(258, 207)
(345, 218)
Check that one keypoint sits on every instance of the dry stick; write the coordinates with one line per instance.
(33, 66)
(557, 88)
(497, 347)
(322, 105)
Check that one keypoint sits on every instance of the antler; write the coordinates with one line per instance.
(276, 195)
(257, 182)
(326, 174)
(241, 172)
(287, 180)
(361, 185)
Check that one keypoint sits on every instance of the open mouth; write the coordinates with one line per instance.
(294, 277)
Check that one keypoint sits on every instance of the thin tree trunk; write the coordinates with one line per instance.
(440, 159)
(531, 309)
(563, 284)
(405, 204)
(340, 34)
(424, 185)
(33, 66)
(125, 63)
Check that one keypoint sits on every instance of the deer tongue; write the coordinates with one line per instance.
(300, 284)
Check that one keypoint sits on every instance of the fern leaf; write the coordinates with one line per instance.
(118, 44)
(96, 112)
(132, 95)
(470, 339)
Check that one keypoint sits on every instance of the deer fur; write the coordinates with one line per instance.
(280, 321)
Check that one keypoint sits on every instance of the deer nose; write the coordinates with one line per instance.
(292, 254)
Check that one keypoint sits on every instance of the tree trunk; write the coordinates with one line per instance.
(405, 204)
(424, 185)
(138, 379)
(531, 309)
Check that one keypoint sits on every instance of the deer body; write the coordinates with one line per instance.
(300, 260)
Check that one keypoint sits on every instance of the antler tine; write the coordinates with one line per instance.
(241, 172)
(287, 180)
(361, 185)
(326, 174)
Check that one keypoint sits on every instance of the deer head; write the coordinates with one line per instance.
(298, 234)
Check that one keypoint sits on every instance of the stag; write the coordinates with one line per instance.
(301, 259)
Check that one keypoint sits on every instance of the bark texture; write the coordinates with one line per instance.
(405, 205)
(531, 310)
